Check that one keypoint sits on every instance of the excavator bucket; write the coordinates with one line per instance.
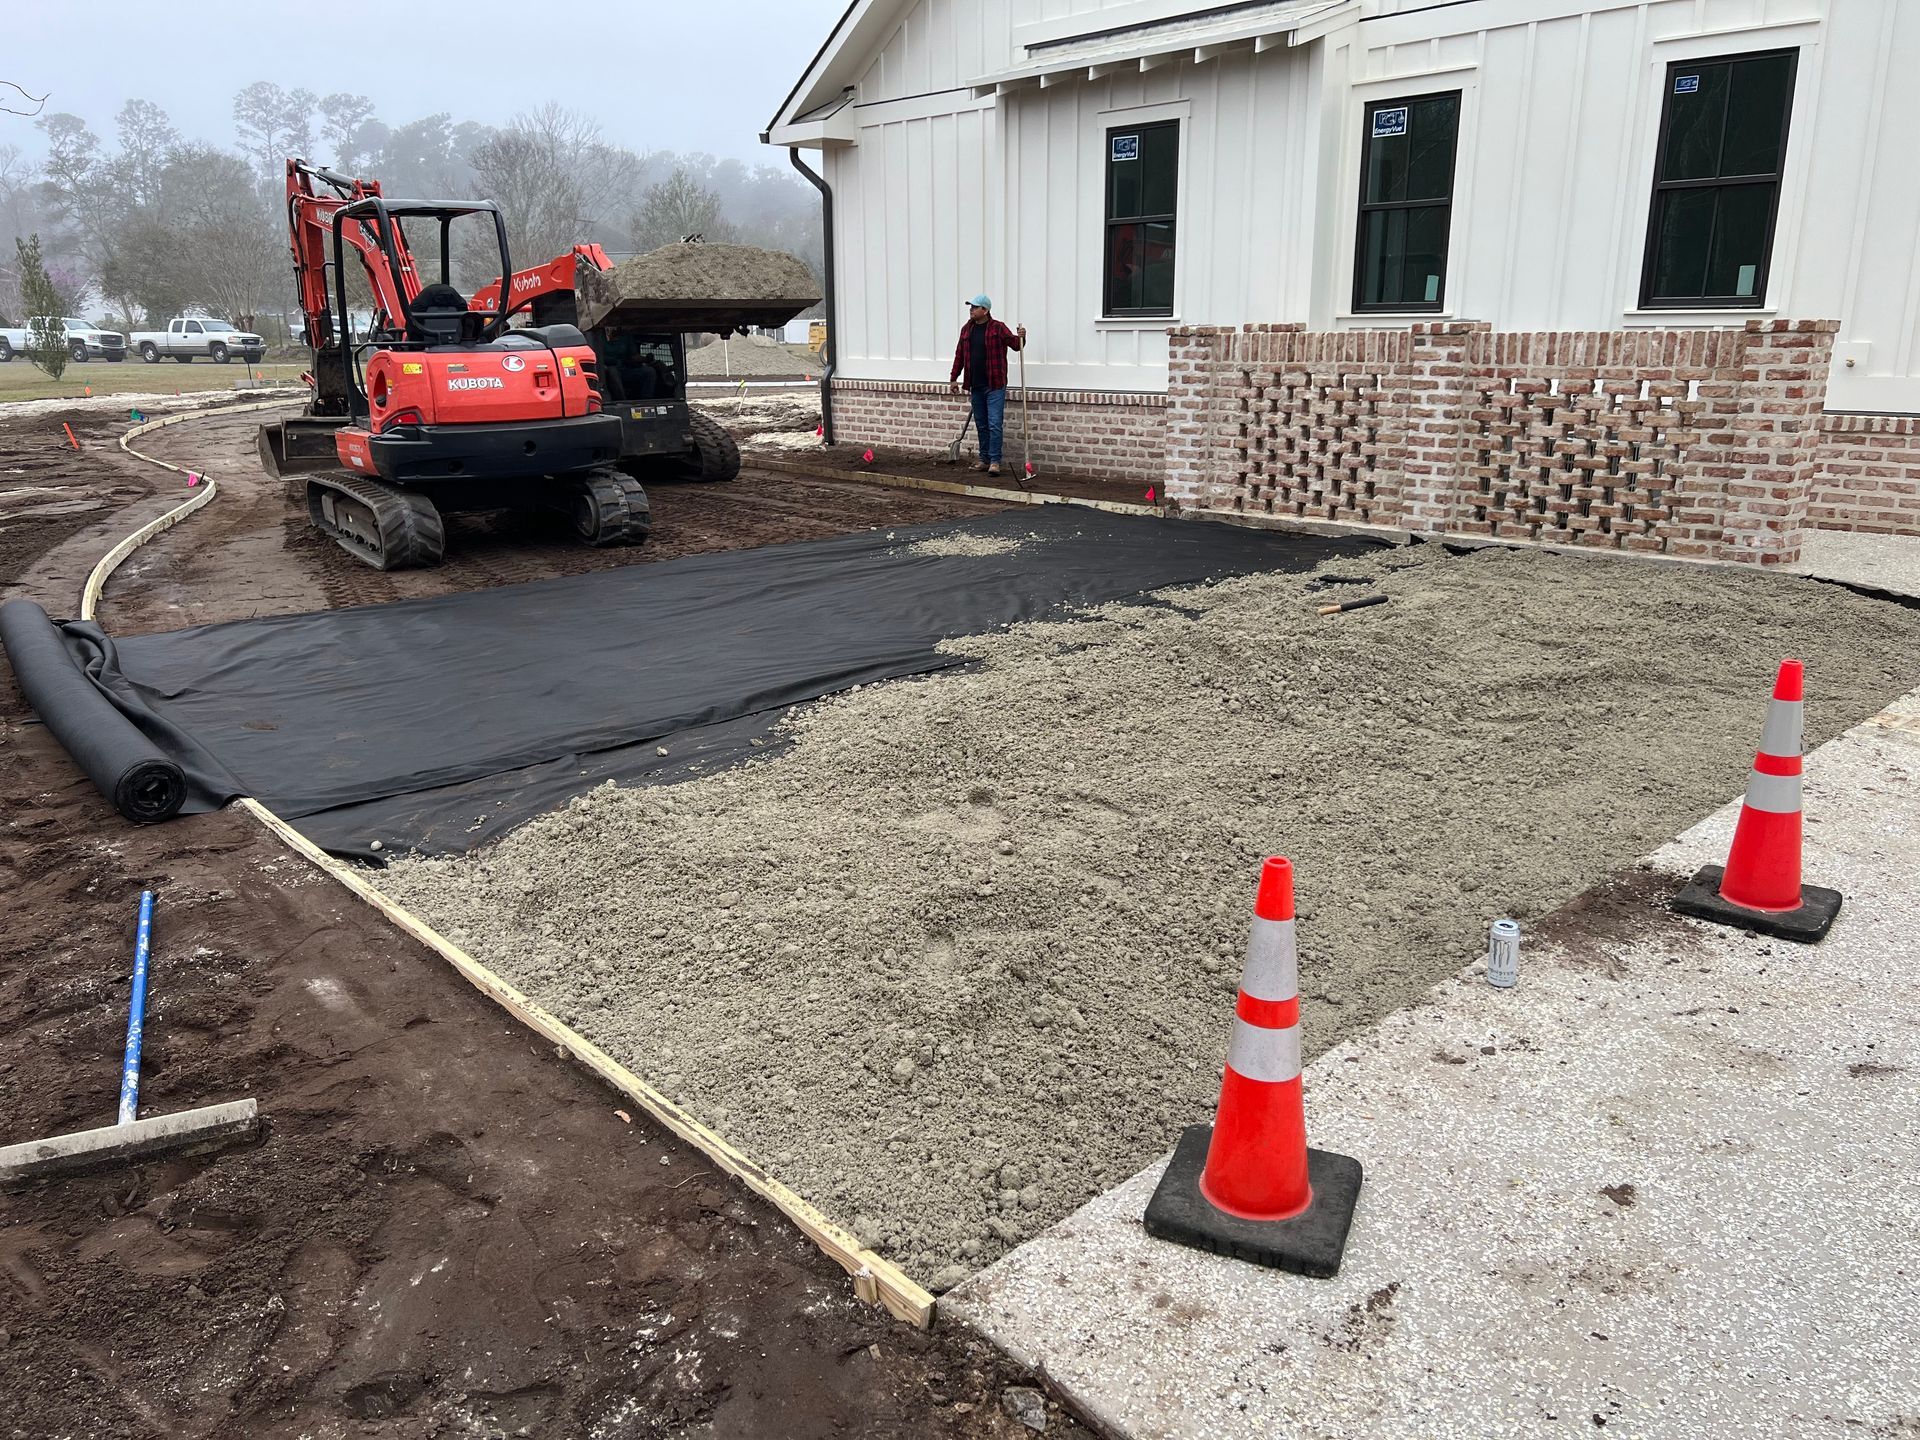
(300, 446)
(695, 287)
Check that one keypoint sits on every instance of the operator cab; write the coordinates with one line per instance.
(439, 316)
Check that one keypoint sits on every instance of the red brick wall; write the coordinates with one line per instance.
(1681, 442)
(1867, 476)
(1083, 432)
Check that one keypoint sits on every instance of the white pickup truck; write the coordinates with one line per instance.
(83, 341)
(191, 336)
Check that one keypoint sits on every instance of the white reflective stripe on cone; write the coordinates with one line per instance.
(1786, 725)
(1775, 794)
(1273, 966)
(1258, 1053)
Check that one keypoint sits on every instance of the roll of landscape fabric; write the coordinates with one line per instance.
(126, 767)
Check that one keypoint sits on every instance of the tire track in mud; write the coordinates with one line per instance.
(252, 552)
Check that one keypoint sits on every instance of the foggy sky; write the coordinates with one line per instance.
(657, 74)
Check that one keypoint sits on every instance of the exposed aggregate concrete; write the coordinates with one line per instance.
(965, 955)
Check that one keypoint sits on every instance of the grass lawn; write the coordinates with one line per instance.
(21, 381)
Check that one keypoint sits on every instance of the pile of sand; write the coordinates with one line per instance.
(962, 544)
(965, 955)
(748, 357)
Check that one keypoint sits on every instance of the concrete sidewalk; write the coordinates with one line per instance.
(1885, 562)
(1665, 1187)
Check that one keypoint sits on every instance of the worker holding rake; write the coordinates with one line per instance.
(981, 356)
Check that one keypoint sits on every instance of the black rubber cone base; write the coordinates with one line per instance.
(1700, 898)
(1311, 1243)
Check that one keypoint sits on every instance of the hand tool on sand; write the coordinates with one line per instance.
(1346, 605)
(953, 450)
(130, 1139)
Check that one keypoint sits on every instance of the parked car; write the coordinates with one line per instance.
(83, 341)
(188, 336)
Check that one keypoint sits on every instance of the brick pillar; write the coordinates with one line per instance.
(1196, 357)
(1776, 430)
(1441, 387)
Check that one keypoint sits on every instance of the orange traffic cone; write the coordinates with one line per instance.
(1247, 1185)
(1759, 887)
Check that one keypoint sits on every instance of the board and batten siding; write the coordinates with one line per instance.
(1559, 127)
(944, 194)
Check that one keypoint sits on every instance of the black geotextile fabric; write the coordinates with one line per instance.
(434, 725)
(137, 778)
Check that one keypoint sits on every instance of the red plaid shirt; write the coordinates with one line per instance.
(999, 340)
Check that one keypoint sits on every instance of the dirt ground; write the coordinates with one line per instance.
(445, 1229)
(926, 465)
(252, 551)
(781, 427)
(964, 955)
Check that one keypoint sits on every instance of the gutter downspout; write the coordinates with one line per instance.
(833, 319)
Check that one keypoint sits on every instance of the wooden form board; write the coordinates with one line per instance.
(875, 1280)
(114, 558)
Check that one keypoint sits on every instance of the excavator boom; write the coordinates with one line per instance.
(441, 405)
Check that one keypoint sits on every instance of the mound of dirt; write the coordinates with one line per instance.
(697, 287)
(741, 359)
(965, 954)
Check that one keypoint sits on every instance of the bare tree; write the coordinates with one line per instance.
(558, 182)
(678, 207)
(10, 89)
(232, 260)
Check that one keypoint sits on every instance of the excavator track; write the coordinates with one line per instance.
(610, 508)
(715, 455)
(380, 524)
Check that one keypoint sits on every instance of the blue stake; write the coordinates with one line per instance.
(136, 1015)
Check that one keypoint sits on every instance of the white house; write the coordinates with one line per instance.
(1122, 175)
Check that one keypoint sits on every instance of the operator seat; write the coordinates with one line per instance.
(439, 316)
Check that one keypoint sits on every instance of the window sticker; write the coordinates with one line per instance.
(1390, 122)
(1126, 147)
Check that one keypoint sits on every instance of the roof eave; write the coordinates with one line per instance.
(1151, 52)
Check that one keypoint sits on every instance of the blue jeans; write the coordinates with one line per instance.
(989, 413)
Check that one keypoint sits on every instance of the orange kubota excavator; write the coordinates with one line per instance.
(441, 404)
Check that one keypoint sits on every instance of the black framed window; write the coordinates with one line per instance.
(1716, 180)
(1406, 202)
(1143, 183)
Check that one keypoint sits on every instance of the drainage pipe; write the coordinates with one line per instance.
(833, 319)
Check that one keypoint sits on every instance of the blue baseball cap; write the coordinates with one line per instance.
(982, 301)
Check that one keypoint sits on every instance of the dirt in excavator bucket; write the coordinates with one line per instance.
(696, 287)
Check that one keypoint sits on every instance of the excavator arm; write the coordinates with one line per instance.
(310, 215)
(556, 276)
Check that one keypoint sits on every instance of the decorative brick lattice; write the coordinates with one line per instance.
(1599, 466)
(1312, 444)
